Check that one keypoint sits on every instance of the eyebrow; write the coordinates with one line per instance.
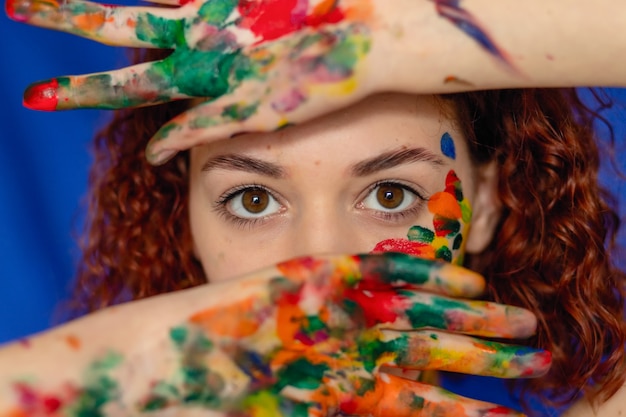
(244, 163)
(394, 158)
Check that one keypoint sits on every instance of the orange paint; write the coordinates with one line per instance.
(17, 413)
(324, 7)
(445, 205)
(237, 320)
(300, 269)
(359, 10)
(91, 22)
(289, 319)
(73, 342)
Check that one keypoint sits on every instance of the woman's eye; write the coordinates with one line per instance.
(389, 197)
(252, 203)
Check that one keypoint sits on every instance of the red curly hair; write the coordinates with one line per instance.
(550, 253)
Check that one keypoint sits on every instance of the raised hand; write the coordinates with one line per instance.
(309, 338)
(260, 64)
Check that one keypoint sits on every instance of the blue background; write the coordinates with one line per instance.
(44, 159)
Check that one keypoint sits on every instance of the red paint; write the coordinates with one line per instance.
(349, 407)
(498, 411)
(272, 19)
(42, 96)
(377, 306)
(401, 245)
(9, 8)
(51, 405)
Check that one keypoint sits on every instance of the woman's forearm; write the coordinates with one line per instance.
(96, 358)
(433, 46)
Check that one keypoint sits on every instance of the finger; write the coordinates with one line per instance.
(406, 310)
(169, 2)
(386, 271)
(431, 350)
(112, 25)
(394, 396)
(209, 122)
(135, 86)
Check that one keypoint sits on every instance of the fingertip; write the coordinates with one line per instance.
(460, 281)
(162, 157)
(42, 96)
(11, 8)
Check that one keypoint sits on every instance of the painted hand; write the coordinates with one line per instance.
(259, 64)
(313, 340)
(312, 337)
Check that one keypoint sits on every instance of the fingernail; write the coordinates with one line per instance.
(42, 96)
(161, 157)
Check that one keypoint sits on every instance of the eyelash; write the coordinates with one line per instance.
(220, 205)
(398, 215)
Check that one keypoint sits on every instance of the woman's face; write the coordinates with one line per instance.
(392, 173)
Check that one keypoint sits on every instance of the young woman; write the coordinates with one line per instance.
(547, 253)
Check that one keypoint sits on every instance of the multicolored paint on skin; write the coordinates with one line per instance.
(452, 215)
(218, 46)
(309, 343)
(97, 391)
(452, 11)
(309, 346)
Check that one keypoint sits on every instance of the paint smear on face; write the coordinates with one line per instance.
(447, 146)
(451, 217)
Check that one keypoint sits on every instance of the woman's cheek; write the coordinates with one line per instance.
(444, 239)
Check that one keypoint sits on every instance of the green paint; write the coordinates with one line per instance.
(393, 267)
(178, 335)
(239, 112)
(458, 241)
(203, 73)
(109, 362)
(346, 53)
(417, 402)
(315, 324)
(301, 374)
(421, 234)
(160, 32)
(433, 315)
(99, 388)
(466, 212)
(215, 12)
(444, 253)
(434, 336)
(164, 132)
(370, 349)
(365, 385)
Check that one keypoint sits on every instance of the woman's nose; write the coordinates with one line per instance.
(322, 231)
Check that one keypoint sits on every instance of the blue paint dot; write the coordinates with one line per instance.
(447, 146)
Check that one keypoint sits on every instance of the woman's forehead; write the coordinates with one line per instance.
(377, 124)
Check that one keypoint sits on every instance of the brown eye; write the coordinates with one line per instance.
(390, 196)
(255, 200)
(252, 202)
